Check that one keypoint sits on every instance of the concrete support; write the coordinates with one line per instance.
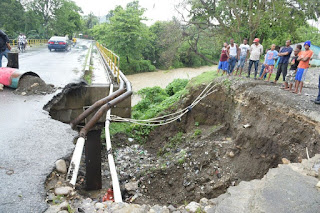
(93, 148)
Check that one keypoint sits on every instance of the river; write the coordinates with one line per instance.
(162, 78)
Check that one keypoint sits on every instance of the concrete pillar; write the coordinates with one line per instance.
(93, 148)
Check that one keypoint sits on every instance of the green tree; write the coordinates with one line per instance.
(67, 19)
(46, 10)
(127, 36)
(11, 17)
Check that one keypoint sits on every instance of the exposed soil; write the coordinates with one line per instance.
(33, 85)
(236, 134)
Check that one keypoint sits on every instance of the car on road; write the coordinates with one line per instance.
(58, 43)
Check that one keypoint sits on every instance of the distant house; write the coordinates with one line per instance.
(316, 53)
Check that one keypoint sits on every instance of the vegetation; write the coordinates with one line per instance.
(41, 18)
(185, 41)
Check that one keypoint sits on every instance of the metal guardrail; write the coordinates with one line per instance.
(112, 59)
(14, 42)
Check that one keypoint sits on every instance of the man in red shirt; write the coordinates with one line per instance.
(223, 62)
(303, 66)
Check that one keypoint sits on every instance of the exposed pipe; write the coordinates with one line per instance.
(75, 161)
(113, 171)
(106, 107)
(95, 106)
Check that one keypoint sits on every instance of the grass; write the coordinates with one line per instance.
(203, 78)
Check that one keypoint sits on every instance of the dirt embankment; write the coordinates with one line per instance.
(235, 134)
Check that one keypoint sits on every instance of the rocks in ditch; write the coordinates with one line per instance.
(99, 206)
(65, 190)
(131, 186)
(61, 166)
(58, 208)
(231, 154)
(285, 161)
(193, 207)
(159, 209)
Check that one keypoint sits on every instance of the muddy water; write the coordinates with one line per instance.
(162, 78)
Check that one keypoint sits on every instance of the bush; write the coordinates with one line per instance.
(176, 86)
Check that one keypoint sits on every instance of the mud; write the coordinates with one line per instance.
(33, 85)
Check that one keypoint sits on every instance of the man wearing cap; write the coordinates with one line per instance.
(256, 51)
(284, 55)
(303, 66)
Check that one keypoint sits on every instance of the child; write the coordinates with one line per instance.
(269, 61)
(223, 62)
(303, 66)
(293, 70)
(263, 66)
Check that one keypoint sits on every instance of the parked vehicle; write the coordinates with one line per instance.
(58, 43)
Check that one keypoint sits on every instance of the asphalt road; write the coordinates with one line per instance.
(30, 141)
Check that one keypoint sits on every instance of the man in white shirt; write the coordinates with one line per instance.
(256, 51)
(244, 53)
(233, 55)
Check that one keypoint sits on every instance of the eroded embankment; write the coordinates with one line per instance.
(235, 134)
(219, 151)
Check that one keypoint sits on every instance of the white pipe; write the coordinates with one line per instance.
(75, 161)
(113, 171)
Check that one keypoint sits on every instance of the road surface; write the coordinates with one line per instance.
(30, 141)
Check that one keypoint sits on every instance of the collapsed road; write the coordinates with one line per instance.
(30, 141)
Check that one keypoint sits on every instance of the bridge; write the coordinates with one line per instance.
(23, 168)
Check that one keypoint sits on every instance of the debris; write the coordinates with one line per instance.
(318, 184)
(247, 126)
(33, 85)
(61, 166)
(108, 196)
(285, 161)
(63, 190)
(193, 207)
(231, 154)
(1, 87)
(131, 186)
(99, 206)
(307, 153)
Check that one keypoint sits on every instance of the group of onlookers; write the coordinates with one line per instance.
(274, 57)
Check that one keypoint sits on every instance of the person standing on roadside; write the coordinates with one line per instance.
(269, 61)
(284, 55)
(244, 53)
(4, 46)
(304, 58)
(290, 78)
(223, 62)
(233, 53)
(256, 50)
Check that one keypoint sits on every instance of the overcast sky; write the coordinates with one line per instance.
(162, 10)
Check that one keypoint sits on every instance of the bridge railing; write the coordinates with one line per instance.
(112, 59)
(14, 42)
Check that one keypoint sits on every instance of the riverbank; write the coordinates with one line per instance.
(162, 78)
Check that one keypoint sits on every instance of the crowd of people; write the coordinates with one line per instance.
(234, 56)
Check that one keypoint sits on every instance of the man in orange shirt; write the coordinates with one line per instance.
(303, 66)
